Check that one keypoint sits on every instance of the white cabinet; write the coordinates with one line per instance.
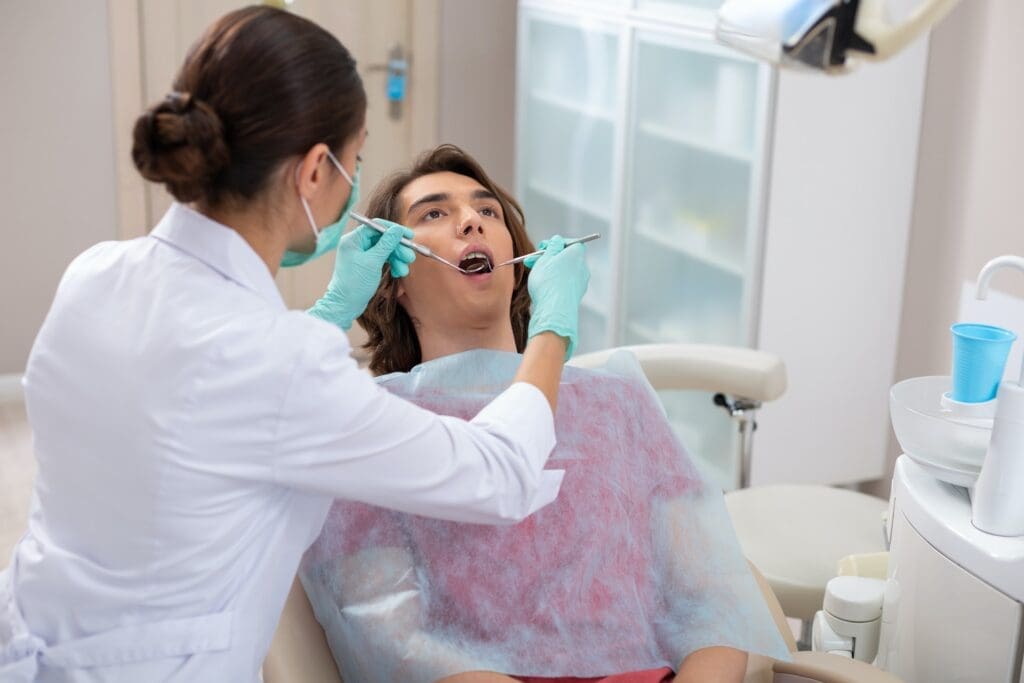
(943, 623)
(719, 186)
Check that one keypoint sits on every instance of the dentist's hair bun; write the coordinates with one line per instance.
(180, 142)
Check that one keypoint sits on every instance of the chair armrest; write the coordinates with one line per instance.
(774, 607)
(299, 651)
(733, 370)
(825, 668)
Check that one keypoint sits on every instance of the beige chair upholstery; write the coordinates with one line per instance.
(732, 370)
(299, 652)
(796, 535)
(812, 667)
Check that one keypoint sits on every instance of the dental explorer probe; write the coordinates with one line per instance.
(568, 243)
(425, 251)
(418, 248)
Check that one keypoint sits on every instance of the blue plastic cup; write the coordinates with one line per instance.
(979, 357)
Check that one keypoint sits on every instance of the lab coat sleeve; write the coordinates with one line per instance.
(341, 434)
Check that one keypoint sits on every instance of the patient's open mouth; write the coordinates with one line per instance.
(475, 263)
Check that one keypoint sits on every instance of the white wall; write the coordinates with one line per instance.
(970, 181)
(477, 82)
(57, 182)
(834, 265)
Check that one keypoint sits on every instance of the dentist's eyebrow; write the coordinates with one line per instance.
(429, 199)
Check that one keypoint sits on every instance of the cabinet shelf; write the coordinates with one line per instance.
(567, 199)
(593, 307)
(643, 331)
(566, 104)
(663, 132)
(694, 254)
(651, 334)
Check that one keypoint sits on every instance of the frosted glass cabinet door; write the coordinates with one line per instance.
(568, 75)
(692, 231)
(693, 223)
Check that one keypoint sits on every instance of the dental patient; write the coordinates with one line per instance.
(632, 575)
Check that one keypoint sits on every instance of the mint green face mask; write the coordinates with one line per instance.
(327, 238)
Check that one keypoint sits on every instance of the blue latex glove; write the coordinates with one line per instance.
(358, 268)
(558, 281)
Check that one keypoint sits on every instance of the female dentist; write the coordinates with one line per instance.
(191, 432)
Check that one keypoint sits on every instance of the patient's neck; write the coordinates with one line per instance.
(437, 341)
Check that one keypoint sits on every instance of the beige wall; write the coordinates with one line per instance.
(477, 82)
(970, 178)
(57, 183)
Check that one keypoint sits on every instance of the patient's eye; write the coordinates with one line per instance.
(432, 215)
(490, 211)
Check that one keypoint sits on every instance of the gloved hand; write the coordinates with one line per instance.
(361, 256)
(558, 281)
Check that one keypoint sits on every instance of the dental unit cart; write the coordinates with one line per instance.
(953, 602)
(951, 607)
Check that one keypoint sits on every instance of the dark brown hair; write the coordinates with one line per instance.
(260, 86)
(393, 344)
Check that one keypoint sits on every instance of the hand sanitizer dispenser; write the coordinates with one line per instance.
(997, 503)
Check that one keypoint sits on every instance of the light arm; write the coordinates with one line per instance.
(890, 38)
(821, 34)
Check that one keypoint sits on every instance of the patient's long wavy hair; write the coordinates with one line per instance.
(393, 344)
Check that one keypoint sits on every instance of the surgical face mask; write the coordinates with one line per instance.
(328, 237)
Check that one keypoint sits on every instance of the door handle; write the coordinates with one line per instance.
(397, 68)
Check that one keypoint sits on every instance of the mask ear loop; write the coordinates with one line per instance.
(341, 169)
(305, 206)
(309, 216)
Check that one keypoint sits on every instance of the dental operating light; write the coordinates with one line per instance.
(826, 35)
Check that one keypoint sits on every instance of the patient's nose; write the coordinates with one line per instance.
(470, 227)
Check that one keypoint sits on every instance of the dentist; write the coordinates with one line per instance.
(191, 432)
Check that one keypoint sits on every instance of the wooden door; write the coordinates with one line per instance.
(158, 33)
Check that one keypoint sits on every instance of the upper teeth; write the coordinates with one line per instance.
(476, 254)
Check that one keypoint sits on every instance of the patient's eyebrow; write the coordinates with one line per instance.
(484, 194)
(429, 199)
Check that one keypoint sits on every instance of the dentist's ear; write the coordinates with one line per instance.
(309, 173)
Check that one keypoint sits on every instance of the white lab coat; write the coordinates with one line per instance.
(190, 434)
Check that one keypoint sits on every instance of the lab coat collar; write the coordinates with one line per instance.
(219, 247)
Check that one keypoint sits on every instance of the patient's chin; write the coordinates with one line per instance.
(489, 305)
(479, 313)
(460, 307)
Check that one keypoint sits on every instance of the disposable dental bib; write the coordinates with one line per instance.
(633, 567)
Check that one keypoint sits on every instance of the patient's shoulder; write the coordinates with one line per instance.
(607, 384)
(623, 403)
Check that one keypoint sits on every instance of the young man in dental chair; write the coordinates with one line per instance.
(633, 575)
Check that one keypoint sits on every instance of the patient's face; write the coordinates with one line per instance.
(456, 216)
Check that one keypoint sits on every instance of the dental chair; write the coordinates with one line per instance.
(299, 652)
(744, 378)
(794, 534)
